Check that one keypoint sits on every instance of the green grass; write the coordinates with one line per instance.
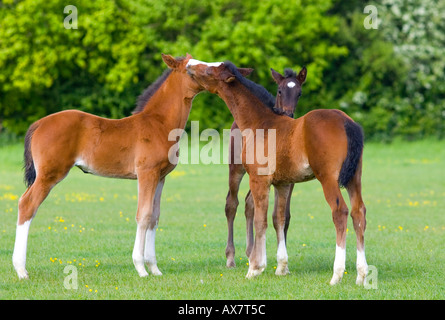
(403, 189)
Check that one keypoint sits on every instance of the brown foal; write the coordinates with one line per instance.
(323, 144)
(288, 93)
(135, 147)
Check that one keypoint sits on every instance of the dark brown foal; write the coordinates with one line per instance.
(288, 93)
(323, 144)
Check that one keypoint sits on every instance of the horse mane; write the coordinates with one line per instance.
(259, 91)
(150, 90)
(289, 73)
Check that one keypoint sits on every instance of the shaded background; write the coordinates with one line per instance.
(390, 79)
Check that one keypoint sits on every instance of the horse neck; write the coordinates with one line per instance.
(247, 110)
(171, 103)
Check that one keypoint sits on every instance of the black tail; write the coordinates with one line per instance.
(354, 133)
(30, 171)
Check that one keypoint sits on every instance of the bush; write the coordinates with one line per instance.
(389, 79)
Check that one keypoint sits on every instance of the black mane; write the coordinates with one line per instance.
(259, 91)
(149, 92)
(289, 73)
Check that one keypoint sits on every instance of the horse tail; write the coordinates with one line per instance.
(30, 170)
(354, 134)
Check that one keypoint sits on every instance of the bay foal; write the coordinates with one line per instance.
(288, 93)
(323, 144)
(135, 147)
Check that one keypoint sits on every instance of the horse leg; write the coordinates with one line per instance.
(149, 253)
(358, 214)
(249, 213)
(29, 202)
(257, 259)
(279, 222)
(236, 173)
(340, 217)
(287, 212)
(147, 185)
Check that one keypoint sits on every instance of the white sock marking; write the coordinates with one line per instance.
(339, 264)
(138, 250)
(150, 253)
(362, 267)
(19, 255)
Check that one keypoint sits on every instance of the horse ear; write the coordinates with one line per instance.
(188, 56)
(276, 76)
(227, 76)
(221, 73)
(170, 61)
(302, 75)
(245, 71)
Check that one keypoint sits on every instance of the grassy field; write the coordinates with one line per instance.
(88, 222)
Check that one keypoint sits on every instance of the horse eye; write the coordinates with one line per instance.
(279, 92)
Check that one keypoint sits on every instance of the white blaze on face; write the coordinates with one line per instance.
(291, 84)
(193, 62)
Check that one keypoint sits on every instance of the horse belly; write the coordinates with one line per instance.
(112, 169)
(304, 173)
(294, 174)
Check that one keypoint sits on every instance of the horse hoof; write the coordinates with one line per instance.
(360, 280)
(230, 264)
(282, 271)
(252, 273)
(335, 279)
(22, 273)
(362, 271)
(141, 271)
(155, 271)
(143, 274)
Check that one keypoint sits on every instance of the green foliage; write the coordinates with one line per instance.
(389, 79)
